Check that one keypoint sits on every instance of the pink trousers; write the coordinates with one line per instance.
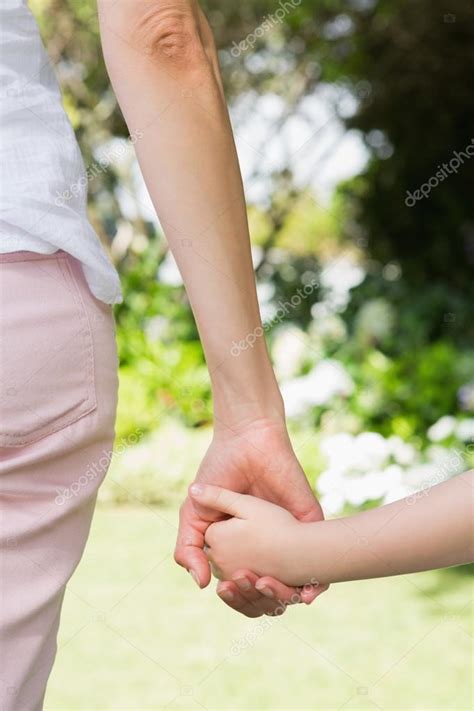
(58, 390)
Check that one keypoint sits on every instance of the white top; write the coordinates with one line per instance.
(43, 187)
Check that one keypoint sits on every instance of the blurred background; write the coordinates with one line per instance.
(353, 122)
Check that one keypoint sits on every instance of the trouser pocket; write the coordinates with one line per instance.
(46, 348)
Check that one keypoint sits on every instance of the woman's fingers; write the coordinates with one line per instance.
(245, 581)
(291, 596)
(246, 603)
(274, 590)
(189, 545)
(231, 595)
(240, 594)
(309, 593)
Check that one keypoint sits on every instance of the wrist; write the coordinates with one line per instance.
(308, 554)
(339, 550)
(246, 401)
(292, 558)
(318, 552)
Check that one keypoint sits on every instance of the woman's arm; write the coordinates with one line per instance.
(163, 65)
(431, 529)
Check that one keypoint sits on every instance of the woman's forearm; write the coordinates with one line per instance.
(431, 529)
(163, 65)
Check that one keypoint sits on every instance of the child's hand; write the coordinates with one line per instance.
(261, 536)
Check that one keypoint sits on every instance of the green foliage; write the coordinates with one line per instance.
(161, 361)
(409, 353)
(407, 394)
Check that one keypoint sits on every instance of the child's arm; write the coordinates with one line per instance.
(432, 529)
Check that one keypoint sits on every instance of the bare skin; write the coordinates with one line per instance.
(163, 65)
(432, 529)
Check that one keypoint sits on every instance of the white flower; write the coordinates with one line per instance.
(465, 430)
(257, 254)
(436, 454)
(366, 452)
(359, 469)
(401, 451)
(289, 349)
(339, 277)
(420, 477)
(442, 429)
(168, 272)
(329, 328)
(337, 487)
(265, 294)
(371, 451)
(368, 487)
(396, 493)
(332, 503)
(356, 492)
(445, 462)
(295, 397)
(338, 451)
(330, 486)
(329, 480)
(376, 320)
(156, 327)
(328, 379)
(466, 396)
(394, 488)
(388, 479)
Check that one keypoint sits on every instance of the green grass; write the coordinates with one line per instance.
(137, 634)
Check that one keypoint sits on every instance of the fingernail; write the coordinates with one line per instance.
(243, 583)
(195, 577)
(226, 595)
(196, 489)
(265, 591)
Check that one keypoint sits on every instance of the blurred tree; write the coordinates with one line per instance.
(417, 123)
(405, 62)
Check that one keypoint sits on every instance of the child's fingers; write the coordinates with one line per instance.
(219, 499)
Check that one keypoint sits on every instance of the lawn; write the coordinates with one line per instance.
(137, 634)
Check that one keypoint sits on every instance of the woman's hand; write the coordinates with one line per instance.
(253, 459)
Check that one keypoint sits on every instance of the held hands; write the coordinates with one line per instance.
(260, 535)
(256, 459)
